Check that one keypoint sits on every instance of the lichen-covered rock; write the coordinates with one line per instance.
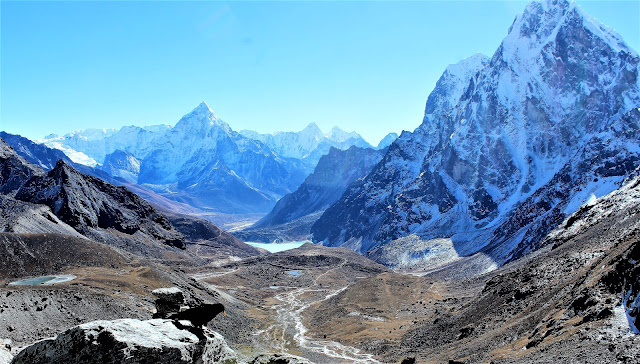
(128, 341)
(280, 359)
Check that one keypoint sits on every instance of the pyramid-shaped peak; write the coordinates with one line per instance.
(312, 127)
(204, 109)
(200, 118)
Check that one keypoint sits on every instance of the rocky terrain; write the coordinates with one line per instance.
(509, 145)
(504, 229)
(278, 288)
(294, 214)
(574, 301)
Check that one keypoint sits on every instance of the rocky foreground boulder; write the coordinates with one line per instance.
(131, 341)
(279, 359)
(128, 341)
(5, 352)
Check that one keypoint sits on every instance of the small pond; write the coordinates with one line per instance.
(44, 280)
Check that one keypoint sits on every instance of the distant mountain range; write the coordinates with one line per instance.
(509, 146)
(311, 143)
(202, 162)
(295, 213)
(60, 199)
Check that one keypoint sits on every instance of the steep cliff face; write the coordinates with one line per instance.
(508, 146)
(85, 202)
(294, 213)
(324, 186)
(14, 170)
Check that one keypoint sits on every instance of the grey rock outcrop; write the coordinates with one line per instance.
(128, 341)
(86, 202)
(14, 170)
(279, 359)
(5, 351)
(168, 301)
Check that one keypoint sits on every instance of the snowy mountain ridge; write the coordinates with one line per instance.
(508, 146)
(310, 143)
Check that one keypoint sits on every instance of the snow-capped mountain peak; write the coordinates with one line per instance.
(200, 119)
(467, 65)
(312, 130)
(338, 135)
(540, 24)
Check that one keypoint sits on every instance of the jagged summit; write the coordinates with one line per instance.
(200, 119)
(313, 130)
(203, 108)
(546, 21)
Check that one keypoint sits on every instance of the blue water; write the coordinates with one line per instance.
(274, 248)
(44, 280)
(293, 272)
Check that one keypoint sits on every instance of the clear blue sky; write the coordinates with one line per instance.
(266, 66)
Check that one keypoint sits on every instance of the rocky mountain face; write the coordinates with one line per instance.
(309, 144)
(85, 202)
(14, 170)
(200, 161)
(79, 203)
(509, 146)
(298, 210)
(574, 300)
(122, 164)
(38, 154)
(75, 201)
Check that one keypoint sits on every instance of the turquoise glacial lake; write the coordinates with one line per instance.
(279, 247)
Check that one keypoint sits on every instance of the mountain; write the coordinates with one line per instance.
(77, 202)
(38, 154)
(509, 146)
(68, 202)
(200, 161)
(14, 170)
(309, 144)
(91, 146)
(203, 162)
(87, 203)
(576, 300)
(298, 210)
(387, 140)
(122, 164)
